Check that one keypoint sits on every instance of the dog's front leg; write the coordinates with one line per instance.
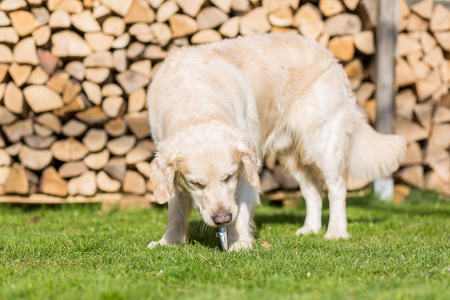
(240, 232)
(179, 207)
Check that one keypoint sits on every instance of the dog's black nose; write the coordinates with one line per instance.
(221, 219)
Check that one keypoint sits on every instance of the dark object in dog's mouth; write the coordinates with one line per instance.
(221, 233)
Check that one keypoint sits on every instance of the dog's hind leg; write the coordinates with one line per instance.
(311, 188)
(179, 208)
(240, 232)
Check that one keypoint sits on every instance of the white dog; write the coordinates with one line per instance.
(216, 109)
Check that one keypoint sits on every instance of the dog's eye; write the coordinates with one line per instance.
(197, 185)
(228, 178)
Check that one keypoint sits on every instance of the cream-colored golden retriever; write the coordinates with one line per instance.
(216, 109)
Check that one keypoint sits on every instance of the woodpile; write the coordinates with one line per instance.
(74, 74)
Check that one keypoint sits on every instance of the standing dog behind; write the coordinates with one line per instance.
(216, 109)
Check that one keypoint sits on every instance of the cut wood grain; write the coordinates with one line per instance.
(51, 183)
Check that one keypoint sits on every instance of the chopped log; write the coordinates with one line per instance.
(42, 131)
(182, 25)
(210, 17)
(443, 38)
(342, 47)
(166, 10)
(78, 46)
(13, 98)
(404, 75)
(38, 142)
(143, 167)
(441, 115)
(423, 8)
(6, 117)
(99, 59)
(114, 26)
(427, 87)
(38, 76)
(434, 182)
(121, 7)
(400, 193)
(355, 73)
(268, 182)
(92, 116)
(70, 6)
(434, 58)
(48, 61)
(255, 22)
(3, 70)
(354, 184)
(284, 30)
(134, 183)
(440, 134)
(76, 69)
(416, 23)
(78, 104)
(17, 181)
(34, 159)
(440, 19)
(41, 36)
(351, 4)
(230, 28)
(206, 36)
(50, 121)
(406, 44)
(281, 17)
(421, 69)
(343, 24)
(131, 81)
(99, 41)
(111, 106)
(24, 22)
(25, 52)
(120, 60)
(143, 67)
(438, 159)
(135, 49)
(59, 19)
(40, 98)
(51, 183)
(72, 169)
(97, 161)
(240, 5)
(423, 113)
(10, 5)
(15, 131)
(371, 110)
(143, 151)
(4, 20)
(413, 156)
(83, 185)
(97, 75)
(116, 168)
(71, 90)
(4, 173)
(95, 139)
(116, 127)
(68, 150)
(8, 35)
(74, 128)
(364, 42)
(5, 159)
(85, 22)
(41, 14)
(111, 89)
(93, 92)
(106, 183)
(5, 54)
(136, 101)
(412, 175)
(367, 10)
(364, 93)
(58, 81)
(101, 11)
(330, 7)
(411, 131)
(190, 7)
(140, 11)
(138, 124)
(121, 145)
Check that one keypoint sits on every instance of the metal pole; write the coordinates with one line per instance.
(386, 37)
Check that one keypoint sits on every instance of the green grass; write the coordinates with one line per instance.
(80, 252)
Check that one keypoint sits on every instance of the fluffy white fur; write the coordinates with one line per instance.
(216, 109)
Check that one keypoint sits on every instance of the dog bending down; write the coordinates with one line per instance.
(216, 109)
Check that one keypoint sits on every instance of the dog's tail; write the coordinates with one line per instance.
(372, 155)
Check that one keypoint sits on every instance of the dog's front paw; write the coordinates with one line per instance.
(307, 230)
(240, 245)
(336, 235)
(153, 245)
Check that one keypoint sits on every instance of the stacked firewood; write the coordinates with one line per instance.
(73, 79)
(423, 100)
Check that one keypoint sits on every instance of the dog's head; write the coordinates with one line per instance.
(206, 163)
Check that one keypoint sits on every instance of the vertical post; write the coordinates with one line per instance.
(386, 38)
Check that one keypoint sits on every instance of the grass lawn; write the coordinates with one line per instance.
(80, 252)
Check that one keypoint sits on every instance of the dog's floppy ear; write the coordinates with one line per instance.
(249, 159)
(162, 173)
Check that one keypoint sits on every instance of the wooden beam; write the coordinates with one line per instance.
(385, 80)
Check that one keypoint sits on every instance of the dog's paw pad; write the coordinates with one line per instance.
(240, 245)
